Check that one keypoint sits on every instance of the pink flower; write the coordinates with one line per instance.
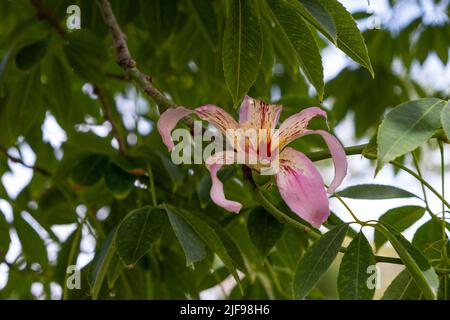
(299, 182)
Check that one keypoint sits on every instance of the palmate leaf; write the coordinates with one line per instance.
(353, 276)
(316, 260)
(241, 47)
(289, 25)
(406, 127)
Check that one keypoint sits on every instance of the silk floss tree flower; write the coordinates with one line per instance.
(299, 182)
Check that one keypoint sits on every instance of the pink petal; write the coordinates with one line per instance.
(168, 120)
(214, 163)
(243, 109)
(258, 114)
(301, 187)
(218, 117)
(296, 125)
(211, 113)
(338, 155)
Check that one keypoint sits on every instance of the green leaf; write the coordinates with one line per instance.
(352, 279)
(334, 221)
(242, 48)
(87, 55)
(118, 181)
(316, 15)
(33, 246)
(137, 233)
(406, 127)
(427, 234)
(193, 247)
(445, 119)
(4, 236)
(316, 260)
(204, 16)
(90, 169)
(264, 230)
(61, 104)
(403, 287)
(374, 192)
(31, 54)
(101, 264)
(23, 107)
(419, 267)
(400, 219)
(349, 38)
(290, 24)
(208, 235)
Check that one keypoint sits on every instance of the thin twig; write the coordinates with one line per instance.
(44, 14)
(20, 161)
(108, 116)
(126, 61)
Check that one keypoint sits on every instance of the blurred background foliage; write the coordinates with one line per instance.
(81, 181)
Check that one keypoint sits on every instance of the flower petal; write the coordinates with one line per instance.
(214, 163)
(258, 114)
(168, 120)
(301, 187)
(338, 155)
(218, 117)
(296, 125)
(211, 113)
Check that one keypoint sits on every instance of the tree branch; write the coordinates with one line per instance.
(126, 61)
(20, 161)
(44, 14)
(108, 116)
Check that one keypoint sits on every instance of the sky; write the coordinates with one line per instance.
(360, 169)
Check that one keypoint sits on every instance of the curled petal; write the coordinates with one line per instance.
(297, 124)
(168, 120)
(211, 113)
(301, 187)
(214, 163)
(338, 155)
(258, 114)
(218, 117)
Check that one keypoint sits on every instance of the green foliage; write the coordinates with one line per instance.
(198, 52)
(408, 126)
(138, 232)
(418, 266)
(374, 191)
(398, 218)
(242, 47)
(264, 230)
(353, 275)
(317, 260)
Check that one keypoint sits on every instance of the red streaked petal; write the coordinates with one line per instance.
(258, 114)
(296, 125)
